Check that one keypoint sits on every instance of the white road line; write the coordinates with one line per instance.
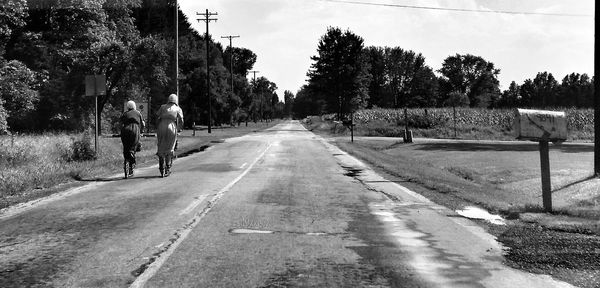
(153, 267)
(193, 205)
(243, 165)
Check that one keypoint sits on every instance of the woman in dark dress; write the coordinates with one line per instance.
(132, 125)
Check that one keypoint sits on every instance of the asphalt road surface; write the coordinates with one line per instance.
(278, 208)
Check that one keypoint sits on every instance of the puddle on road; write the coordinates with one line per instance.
(472, 212)
(424, 257)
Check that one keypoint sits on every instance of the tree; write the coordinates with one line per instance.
(12, 16)
(3, 116)
(411, 82)
(540, 92)
(511, 97)
(243, 60)
(576, 90)
(288, 97)
(18, 91)
(376, 58)
(472, 75)
(307, 103)
(339, 74)
(132, 43)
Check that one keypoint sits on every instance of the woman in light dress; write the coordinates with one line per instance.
(169, 122)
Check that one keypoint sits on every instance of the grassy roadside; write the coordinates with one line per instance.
(503, 178)
(35, 166)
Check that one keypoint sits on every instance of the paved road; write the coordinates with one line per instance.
(279, 208)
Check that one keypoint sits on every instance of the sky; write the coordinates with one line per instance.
(284, 33)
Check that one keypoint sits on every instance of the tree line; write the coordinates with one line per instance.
(345, 76)
(47, 47)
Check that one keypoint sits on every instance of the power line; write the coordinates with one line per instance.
(459, 9)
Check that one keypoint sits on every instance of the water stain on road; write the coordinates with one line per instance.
(193, 151)
(352, 171)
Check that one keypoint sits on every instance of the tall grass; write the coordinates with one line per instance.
(32, 162)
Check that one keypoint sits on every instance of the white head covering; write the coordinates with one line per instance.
(173, 99)
(130, 105)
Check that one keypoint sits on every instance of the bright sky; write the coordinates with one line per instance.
(284, 33)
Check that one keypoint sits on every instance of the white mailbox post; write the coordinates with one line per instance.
(542, 126)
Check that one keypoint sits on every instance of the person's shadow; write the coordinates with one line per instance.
(118, 178)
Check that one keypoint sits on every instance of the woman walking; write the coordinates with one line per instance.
(132, 125)
(170, 120)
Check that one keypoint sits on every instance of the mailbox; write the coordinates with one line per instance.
(540, 125)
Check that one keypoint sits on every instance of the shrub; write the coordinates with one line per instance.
(82, 149)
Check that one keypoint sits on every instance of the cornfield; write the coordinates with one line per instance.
(577, 119)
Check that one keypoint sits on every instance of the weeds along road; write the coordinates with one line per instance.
(278, 208)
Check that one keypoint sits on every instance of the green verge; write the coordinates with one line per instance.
(35, 166)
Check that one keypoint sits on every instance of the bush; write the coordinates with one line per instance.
(82, 149)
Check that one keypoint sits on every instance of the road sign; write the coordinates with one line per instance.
(95, 85)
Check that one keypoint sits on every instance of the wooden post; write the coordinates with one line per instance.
(546, 185)
(351, 127)
(97, 117)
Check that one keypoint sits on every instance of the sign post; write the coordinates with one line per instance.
(95, 85)
(543, 127)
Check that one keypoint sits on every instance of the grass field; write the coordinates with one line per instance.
(33, 165)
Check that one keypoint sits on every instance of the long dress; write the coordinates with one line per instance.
(130, 133)
(169, 117)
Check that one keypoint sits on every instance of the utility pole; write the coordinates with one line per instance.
(231, 58)
(177, 48)
(207, 19)
(253, 83)
(596, 104)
